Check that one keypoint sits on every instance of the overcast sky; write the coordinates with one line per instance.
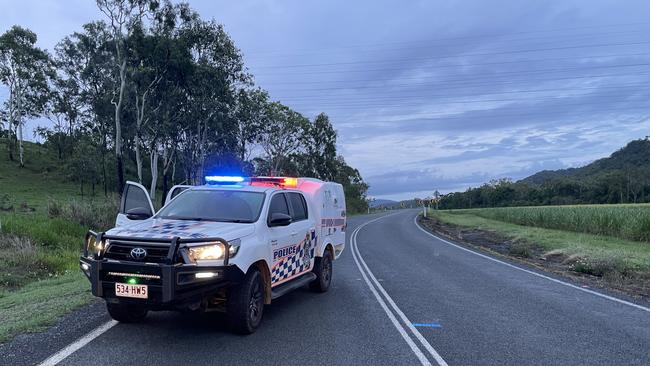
(432, 95)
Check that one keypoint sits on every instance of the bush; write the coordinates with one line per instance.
(91, 214)
(54, 208)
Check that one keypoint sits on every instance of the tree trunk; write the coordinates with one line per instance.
(138, 158)
(118, 122)
(104, 166)
(21, 151)
(167, 160)
(12, 123)
(10, 143)
(120, 173)
(164, 189)
(154, 173)
(19, 130)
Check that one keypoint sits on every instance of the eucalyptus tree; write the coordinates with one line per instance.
(250, 112)
(217, 73)
(147, 71)
(26, 70)
(85, 60)
(157, 54)
(282, 136)
(122, 15)
(319, 141)
(354, 186)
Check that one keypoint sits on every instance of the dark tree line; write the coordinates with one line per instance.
(157, 94)
(622, 178)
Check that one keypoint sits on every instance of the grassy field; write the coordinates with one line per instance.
(43, 219)
(629, 221)
(590, 239)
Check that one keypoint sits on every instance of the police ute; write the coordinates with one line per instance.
(232, 245)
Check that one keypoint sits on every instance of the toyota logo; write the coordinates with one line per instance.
(138, 253)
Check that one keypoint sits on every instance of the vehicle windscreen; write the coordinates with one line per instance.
(215, 205)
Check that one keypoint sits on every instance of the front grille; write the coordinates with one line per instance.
(122, 251)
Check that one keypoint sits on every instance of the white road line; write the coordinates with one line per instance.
(534, 273)
(79, 343)
(418, 353)
(359, 259)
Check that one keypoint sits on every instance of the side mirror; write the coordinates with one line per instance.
(279, 219)
(138, 213)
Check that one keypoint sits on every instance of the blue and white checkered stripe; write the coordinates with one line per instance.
(292, 265)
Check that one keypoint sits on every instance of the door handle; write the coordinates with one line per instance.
(274, 242)
(294, 233)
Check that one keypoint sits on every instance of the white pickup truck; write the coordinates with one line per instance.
(232, 245)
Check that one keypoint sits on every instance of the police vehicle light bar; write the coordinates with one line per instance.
(282, 182)
(223, 179)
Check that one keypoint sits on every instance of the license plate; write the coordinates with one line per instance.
(127, 290)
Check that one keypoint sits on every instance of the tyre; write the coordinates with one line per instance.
(245, 305)
(323, 271)
(126, 313)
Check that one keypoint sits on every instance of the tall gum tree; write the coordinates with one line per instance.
(26, 70)
(122, 14)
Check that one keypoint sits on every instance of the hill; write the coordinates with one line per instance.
(382, 203)
(623, 177)
(634, 156)
(29, 188)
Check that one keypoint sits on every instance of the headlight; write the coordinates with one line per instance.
(211, 252)
(94, 246)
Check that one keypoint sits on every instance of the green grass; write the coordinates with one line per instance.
(39, 304)
(589, 253)
(28, 189)
(43, 217)
(43, 220)
(630, 222)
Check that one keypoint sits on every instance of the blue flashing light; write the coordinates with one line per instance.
(223, 179)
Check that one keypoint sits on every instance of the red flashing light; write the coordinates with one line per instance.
(282, 182)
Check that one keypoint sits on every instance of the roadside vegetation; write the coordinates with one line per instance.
(608, 242)
(43, 219)
(630, 222)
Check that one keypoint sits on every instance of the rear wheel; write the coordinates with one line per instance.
(126, 313)
(246, 304)
(323, 271)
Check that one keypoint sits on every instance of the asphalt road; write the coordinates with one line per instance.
(405, 298)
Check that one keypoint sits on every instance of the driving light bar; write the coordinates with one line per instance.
(138, 275)
(205, 274)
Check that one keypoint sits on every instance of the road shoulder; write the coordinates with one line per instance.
(504, 247)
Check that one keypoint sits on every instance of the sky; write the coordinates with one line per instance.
(433, 95)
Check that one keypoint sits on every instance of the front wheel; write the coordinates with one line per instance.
(323, 271)
(126, 313)
(246, 304)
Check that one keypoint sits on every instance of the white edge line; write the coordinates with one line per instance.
(640, 307)
(423, 359)
(79, 343)
(399, 312)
